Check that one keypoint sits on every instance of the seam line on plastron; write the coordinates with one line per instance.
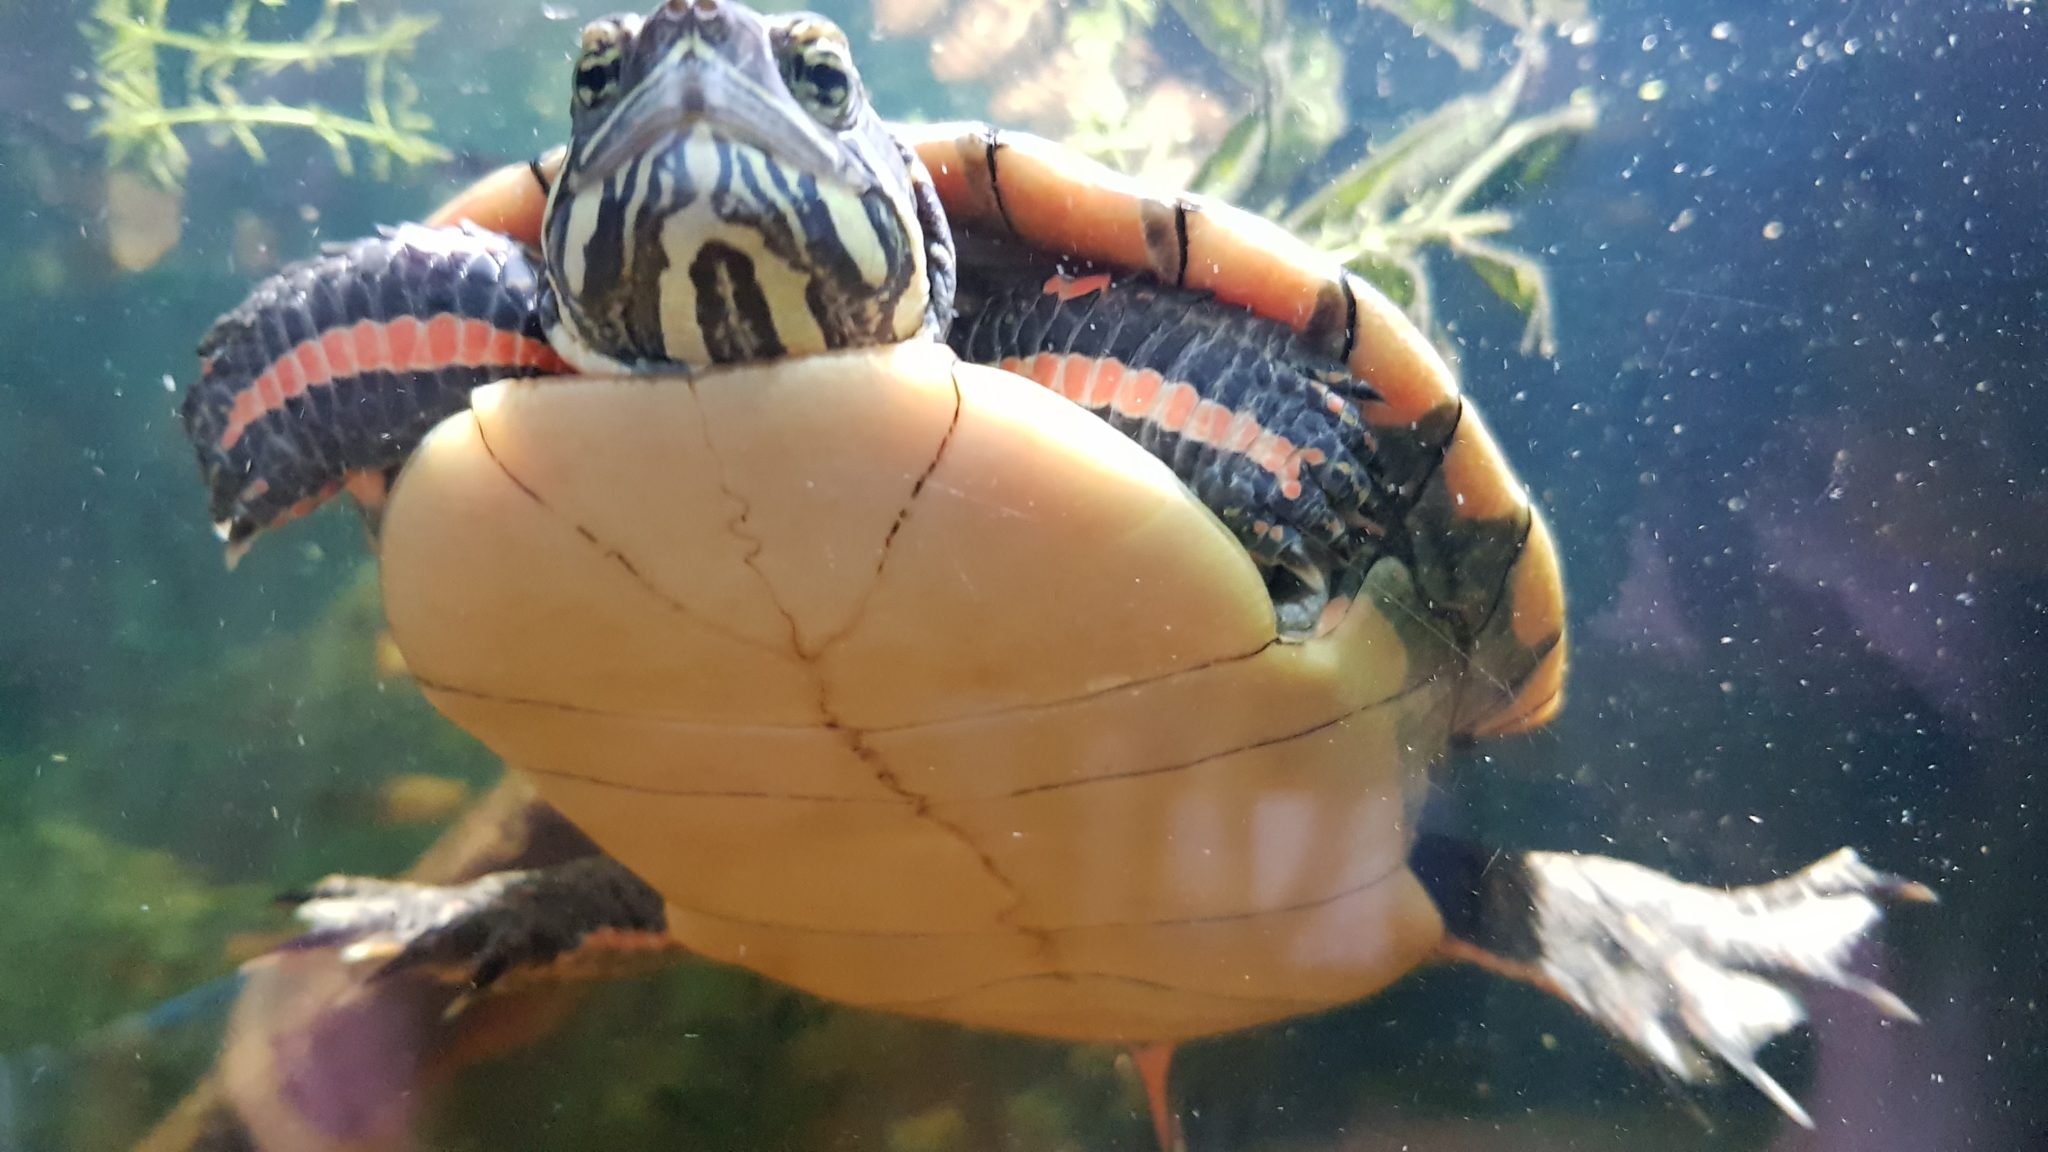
(896, 526)
(609, 551)
(1397, 867)
(1264, 742)
(853, 738)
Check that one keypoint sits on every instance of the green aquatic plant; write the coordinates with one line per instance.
(1440, 184)
(94, 927)
(141, 115)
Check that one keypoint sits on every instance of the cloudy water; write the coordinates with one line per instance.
(1751, 296)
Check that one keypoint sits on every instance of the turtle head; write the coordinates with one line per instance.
(730, 195)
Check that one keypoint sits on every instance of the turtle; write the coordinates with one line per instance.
(951, 578)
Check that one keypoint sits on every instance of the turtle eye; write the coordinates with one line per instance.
(598, 65)
(817, 64)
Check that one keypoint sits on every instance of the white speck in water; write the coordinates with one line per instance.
(1722, 31)
(170, 385)
(1652, 91)
(1774, 229)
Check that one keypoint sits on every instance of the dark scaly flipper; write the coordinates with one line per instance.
(325, 1054)
(1689, 975)
(331, 371)
(1263, 429)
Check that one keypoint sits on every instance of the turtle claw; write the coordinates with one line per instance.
(1691, 974)
(477, 933)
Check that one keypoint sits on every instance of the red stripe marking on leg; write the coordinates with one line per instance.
(444, 339)
(372, 347)
(290, 382)
(401, 337)
(339, 346)
(248, 408)
(1244, 429)
(1137, 393)
(1075, 287)
(1209, 423)
(474, 342)
(267, 389)
(1046, 370)
(402, 345)
(1177, 403)
(312, 365)
(1105, 381)
(500, 347)
(1077, 379)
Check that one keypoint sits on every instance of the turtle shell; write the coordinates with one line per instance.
(924, 691)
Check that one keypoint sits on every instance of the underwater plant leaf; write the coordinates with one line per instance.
(1527, 14)
(1422, 154)
(1304, 108)
(1233, 31)
(1396, 279)
(1524, 169)
(1441, 22)
(1232, 168)
(134, 43)
(1521, 281)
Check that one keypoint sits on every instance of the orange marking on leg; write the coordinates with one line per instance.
(1210, 422)
(1103, 376)
(1104, 382)
(544, 357)
(269, 390)
(515, 349)
(1268, 451)
(372, 352)
(287, 379)
(401, 337)
(339, 347)
(1244, 429)
(444, 340)
(1044, 369)
(247, 410)
(1074, 373)
(312, 365)
(1136, 392)
(1075, 287)
(1178, 404)
(472, 337)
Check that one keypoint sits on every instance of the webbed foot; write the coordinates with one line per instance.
(1689, 973)
(586, 919)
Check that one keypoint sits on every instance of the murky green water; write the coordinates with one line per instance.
(1789, 440)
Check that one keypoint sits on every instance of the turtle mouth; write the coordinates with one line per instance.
(695, 88)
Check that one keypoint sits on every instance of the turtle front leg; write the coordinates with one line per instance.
(582, 920)
(332, 370)
(1685, 973)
